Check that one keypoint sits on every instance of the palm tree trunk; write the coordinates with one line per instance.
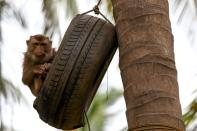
(147, 65)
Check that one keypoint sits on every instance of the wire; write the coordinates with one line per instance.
(87, 12)
(107, 87)
(97, 11)
(105, 18)
(87, 120)
(98, 2)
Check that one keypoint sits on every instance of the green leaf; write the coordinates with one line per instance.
(190, 115)
(97, 113)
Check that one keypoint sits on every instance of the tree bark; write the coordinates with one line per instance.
(147, 65)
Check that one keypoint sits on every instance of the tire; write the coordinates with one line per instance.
(76, 72)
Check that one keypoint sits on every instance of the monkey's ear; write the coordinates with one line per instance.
(27, 42)
(50, 42)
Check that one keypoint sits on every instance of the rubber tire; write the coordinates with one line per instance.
(76, 72)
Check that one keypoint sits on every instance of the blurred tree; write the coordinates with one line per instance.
(190, 115)
(50, 10)
(97, 113)
(186, 12)
(8, 92)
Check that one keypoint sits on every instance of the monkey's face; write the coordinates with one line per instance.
(39, 50)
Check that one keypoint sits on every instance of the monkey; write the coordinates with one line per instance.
(37, 61)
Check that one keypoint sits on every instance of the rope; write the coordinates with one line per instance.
(97, 12)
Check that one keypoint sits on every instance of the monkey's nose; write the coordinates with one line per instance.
(40, 55)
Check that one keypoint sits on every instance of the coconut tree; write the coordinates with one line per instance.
(147, 65)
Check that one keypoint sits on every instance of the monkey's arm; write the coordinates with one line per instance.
(28, 76)
(32, 76)
(37, 85)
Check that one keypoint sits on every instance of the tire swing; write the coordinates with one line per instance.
(82, 59)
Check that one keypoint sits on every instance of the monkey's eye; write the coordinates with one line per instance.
(43, 44)
(36, 44)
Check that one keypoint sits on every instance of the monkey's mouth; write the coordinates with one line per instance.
(38, 59)
(42, 58)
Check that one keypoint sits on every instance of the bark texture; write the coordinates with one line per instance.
(147, 65)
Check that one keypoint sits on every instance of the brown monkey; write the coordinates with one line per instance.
(37, 60)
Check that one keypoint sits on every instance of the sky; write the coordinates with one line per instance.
(12, 58)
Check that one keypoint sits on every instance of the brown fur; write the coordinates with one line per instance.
(37, 61)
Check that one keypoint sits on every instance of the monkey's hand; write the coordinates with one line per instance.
(42, 69)
(39, 69)
(46, 66)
